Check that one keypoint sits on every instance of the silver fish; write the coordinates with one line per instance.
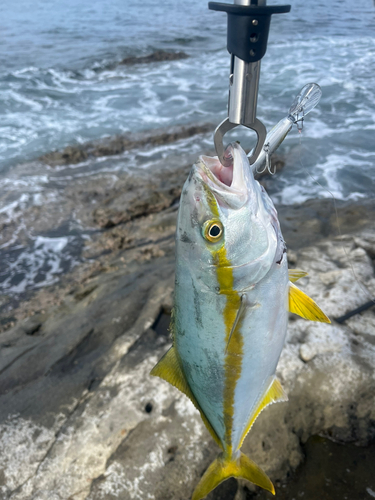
(232, 296)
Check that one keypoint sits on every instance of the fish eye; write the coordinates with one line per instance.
(213, 230)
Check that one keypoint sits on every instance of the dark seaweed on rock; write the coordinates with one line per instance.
(116, 145)
(157, 56)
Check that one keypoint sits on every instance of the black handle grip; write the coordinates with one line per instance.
(248, 28)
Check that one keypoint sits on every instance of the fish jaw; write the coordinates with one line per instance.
(233, 186)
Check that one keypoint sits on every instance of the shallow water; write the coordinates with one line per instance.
(40, 263)
(331, 471)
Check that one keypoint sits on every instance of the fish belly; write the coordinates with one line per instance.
(263, 332)
(199, 338)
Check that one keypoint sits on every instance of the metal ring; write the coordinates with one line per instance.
(225, 126)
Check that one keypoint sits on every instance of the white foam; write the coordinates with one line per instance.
(36, 266)
(22, 99)
(10, 209)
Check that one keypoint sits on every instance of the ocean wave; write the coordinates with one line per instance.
(54, 107)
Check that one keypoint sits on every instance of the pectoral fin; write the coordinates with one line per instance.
(304, 306)
(244, 307)
(169, 369)
(296, 274)
(274, 394)
(238, 316)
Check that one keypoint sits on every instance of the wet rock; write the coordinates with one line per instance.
(113, 212)
(116, 145)
(309, 222)
(157, 56)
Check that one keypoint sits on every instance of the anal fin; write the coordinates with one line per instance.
(274, 394)
(304, 306)
(169, 369)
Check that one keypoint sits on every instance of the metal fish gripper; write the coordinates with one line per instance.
(247, 36)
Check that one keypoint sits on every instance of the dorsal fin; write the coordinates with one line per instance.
(274, 394)
(169, 369)
(296, 274)
(304, 306)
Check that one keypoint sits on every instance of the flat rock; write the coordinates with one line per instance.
(116, 145)
(157, 56)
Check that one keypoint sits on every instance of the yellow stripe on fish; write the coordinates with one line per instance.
(234, 355)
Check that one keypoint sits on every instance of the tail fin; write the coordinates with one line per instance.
(223, 468)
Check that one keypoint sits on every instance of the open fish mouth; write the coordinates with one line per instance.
(220, 179)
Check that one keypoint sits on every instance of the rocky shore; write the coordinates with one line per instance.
(156, 56)
(80, 417)
(116, 145)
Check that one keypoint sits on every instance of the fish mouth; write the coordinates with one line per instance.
(228, 180)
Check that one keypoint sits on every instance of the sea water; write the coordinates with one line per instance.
(61, 83)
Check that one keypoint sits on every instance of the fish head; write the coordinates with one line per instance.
(226, 220)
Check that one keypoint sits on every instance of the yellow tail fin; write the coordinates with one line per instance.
(222, 469)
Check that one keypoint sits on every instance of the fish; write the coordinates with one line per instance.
(233, 291)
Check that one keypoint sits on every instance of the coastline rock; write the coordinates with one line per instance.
(157, 56)
(80, 418)
(116, 145)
